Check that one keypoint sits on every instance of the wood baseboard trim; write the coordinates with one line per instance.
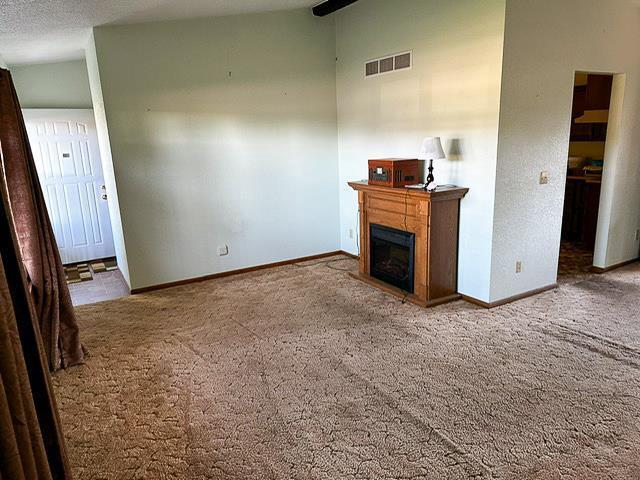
(475, 301)
(595, 269)
(350, 255)
(505, 301)
(230, 273)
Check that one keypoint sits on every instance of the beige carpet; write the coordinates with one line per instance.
(302, 372)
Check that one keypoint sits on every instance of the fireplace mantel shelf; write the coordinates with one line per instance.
(442, 193)
(433, 218)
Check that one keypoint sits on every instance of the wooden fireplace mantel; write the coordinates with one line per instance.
(433, 217)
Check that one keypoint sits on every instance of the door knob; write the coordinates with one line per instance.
(104, 196)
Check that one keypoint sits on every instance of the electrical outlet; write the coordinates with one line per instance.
(351, 233)
(544, 178)
(223, 250)
(518, 266)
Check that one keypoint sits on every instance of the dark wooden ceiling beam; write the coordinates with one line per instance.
(330, 6)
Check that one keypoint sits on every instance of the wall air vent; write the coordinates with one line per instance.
(388, 64)
(372, 68)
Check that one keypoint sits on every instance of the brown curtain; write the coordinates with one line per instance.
(31, 442)
(37, 243)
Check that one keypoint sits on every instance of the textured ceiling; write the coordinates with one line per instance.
(33, 31)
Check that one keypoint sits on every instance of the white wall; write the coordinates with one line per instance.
(546, 41)
(223, 131)
(228, 131)
(453, 91)
(107, 160)
(53, 85)
(3, 64)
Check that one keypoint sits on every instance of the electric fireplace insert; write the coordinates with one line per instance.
(392, 256)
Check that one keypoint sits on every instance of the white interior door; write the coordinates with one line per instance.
(67, 157)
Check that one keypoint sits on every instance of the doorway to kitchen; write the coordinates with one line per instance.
(592, 97)
(65, 149)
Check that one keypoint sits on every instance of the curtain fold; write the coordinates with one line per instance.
(31, 441)
(46, 278)
(23, 453)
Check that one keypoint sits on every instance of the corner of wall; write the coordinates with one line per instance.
(607, 250)
(489, 293)
(95, 85)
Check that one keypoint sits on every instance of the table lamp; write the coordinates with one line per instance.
(431, 150)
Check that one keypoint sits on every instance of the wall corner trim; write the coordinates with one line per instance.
(504, 301)
(595, 269)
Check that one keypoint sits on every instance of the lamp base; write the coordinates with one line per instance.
(430, 178)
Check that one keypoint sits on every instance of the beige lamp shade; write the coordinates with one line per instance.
(431, 149)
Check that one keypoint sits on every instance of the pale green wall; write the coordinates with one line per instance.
(107, 161)
(223, 132)
(52, 85)
(453, 91)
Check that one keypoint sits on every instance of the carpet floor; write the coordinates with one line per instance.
(302, 372)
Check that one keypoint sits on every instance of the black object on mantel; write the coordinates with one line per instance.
(325, 8)
(430, 177)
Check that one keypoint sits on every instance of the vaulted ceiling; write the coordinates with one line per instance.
(34, 31)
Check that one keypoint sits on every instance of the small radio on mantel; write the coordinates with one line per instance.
(394, 172)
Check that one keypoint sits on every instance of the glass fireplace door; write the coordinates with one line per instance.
(392, 256)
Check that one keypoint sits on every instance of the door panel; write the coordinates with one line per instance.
(67, 158)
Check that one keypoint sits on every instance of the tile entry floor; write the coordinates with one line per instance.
(575, 261)
(104, 286)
